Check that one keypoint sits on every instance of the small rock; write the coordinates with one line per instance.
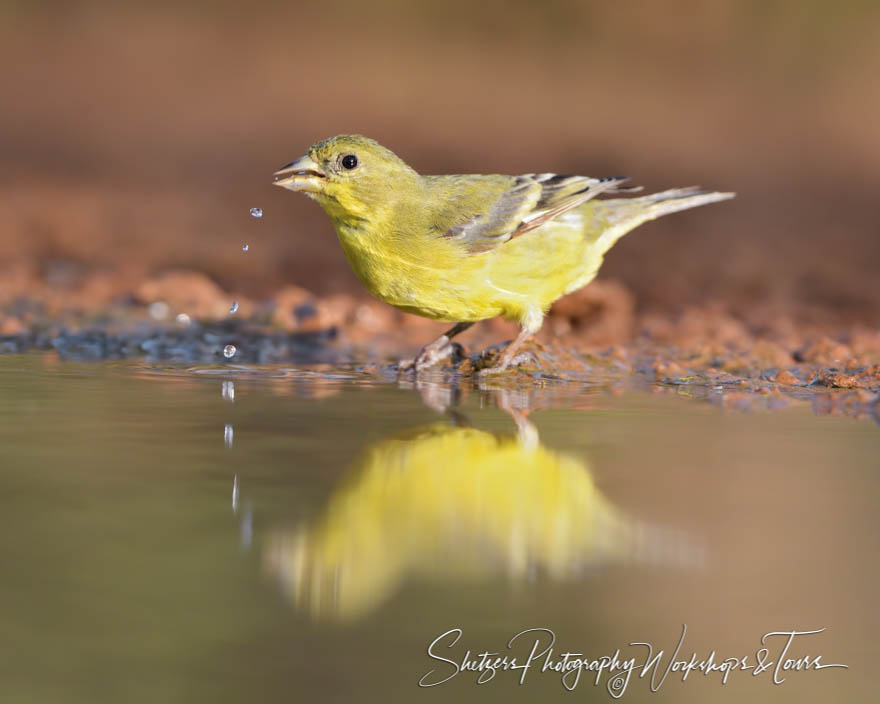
(824, 351)
(839, 380)
(786, 378)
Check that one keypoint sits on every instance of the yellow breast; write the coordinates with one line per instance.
(437, 278)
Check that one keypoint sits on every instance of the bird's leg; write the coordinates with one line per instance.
(531, 323)
(517, 406)
(436, 351)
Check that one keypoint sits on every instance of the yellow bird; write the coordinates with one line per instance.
(465, 248)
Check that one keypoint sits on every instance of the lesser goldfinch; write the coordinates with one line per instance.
(464, 248)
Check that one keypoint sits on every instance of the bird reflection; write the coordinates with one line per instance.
(451, 502)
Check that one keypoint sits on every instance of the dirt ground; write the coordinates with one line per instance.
(593, 336)
(134, 140)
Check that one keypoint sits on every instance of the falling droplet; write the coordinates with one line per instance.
(256, 212)
(229, 351)
(183, 319)
(235, 493)
(245, 248)
(227, 390)
(228, 433)
(233, 309)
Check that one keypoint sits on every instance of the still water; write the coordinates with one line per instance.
(223, 535)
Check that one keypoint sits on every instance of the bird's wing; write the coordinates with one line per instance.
(529, 202)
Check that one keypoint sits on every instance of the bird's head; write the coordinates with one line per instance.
(350, 176)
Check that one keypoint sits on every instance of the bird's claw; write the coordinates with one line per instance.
(504, 365)
(431, 355)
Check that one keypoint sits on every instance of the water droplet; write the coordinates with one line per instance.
(228, 433)
(256, 212)
(229, 351)
(245, 248)
(233, 309)
(234, 492)
(183, 319)
(158, 310)
(227, 390)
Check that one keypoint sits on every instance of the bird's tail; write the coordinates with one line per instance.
(620, 215)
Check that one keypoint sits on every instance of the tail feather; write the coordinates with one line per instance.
(623, 214)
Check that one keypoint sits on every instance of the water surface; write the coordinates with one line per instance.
(368, 519)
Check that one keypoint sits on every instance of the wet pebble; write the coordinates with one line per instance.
(158, 310)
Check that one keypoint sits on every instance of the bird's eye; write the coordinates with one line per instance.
(349, 161)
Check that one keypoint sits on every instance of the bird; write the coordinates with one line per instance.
(470, 247)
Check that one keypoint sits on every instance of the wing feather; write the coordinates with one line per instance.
(530, 202)
(484, 231)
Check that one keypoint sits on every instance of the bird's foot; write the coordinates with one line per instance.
(523, 358)
(432, 354)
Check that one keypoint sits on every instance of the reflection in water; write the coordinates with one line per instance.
(448, 502)
(246, 527)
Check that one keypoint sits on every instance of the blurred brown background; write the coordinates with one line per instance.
(134, 137)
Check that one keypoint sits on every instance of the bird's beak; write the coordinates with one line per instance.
(301, 175)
